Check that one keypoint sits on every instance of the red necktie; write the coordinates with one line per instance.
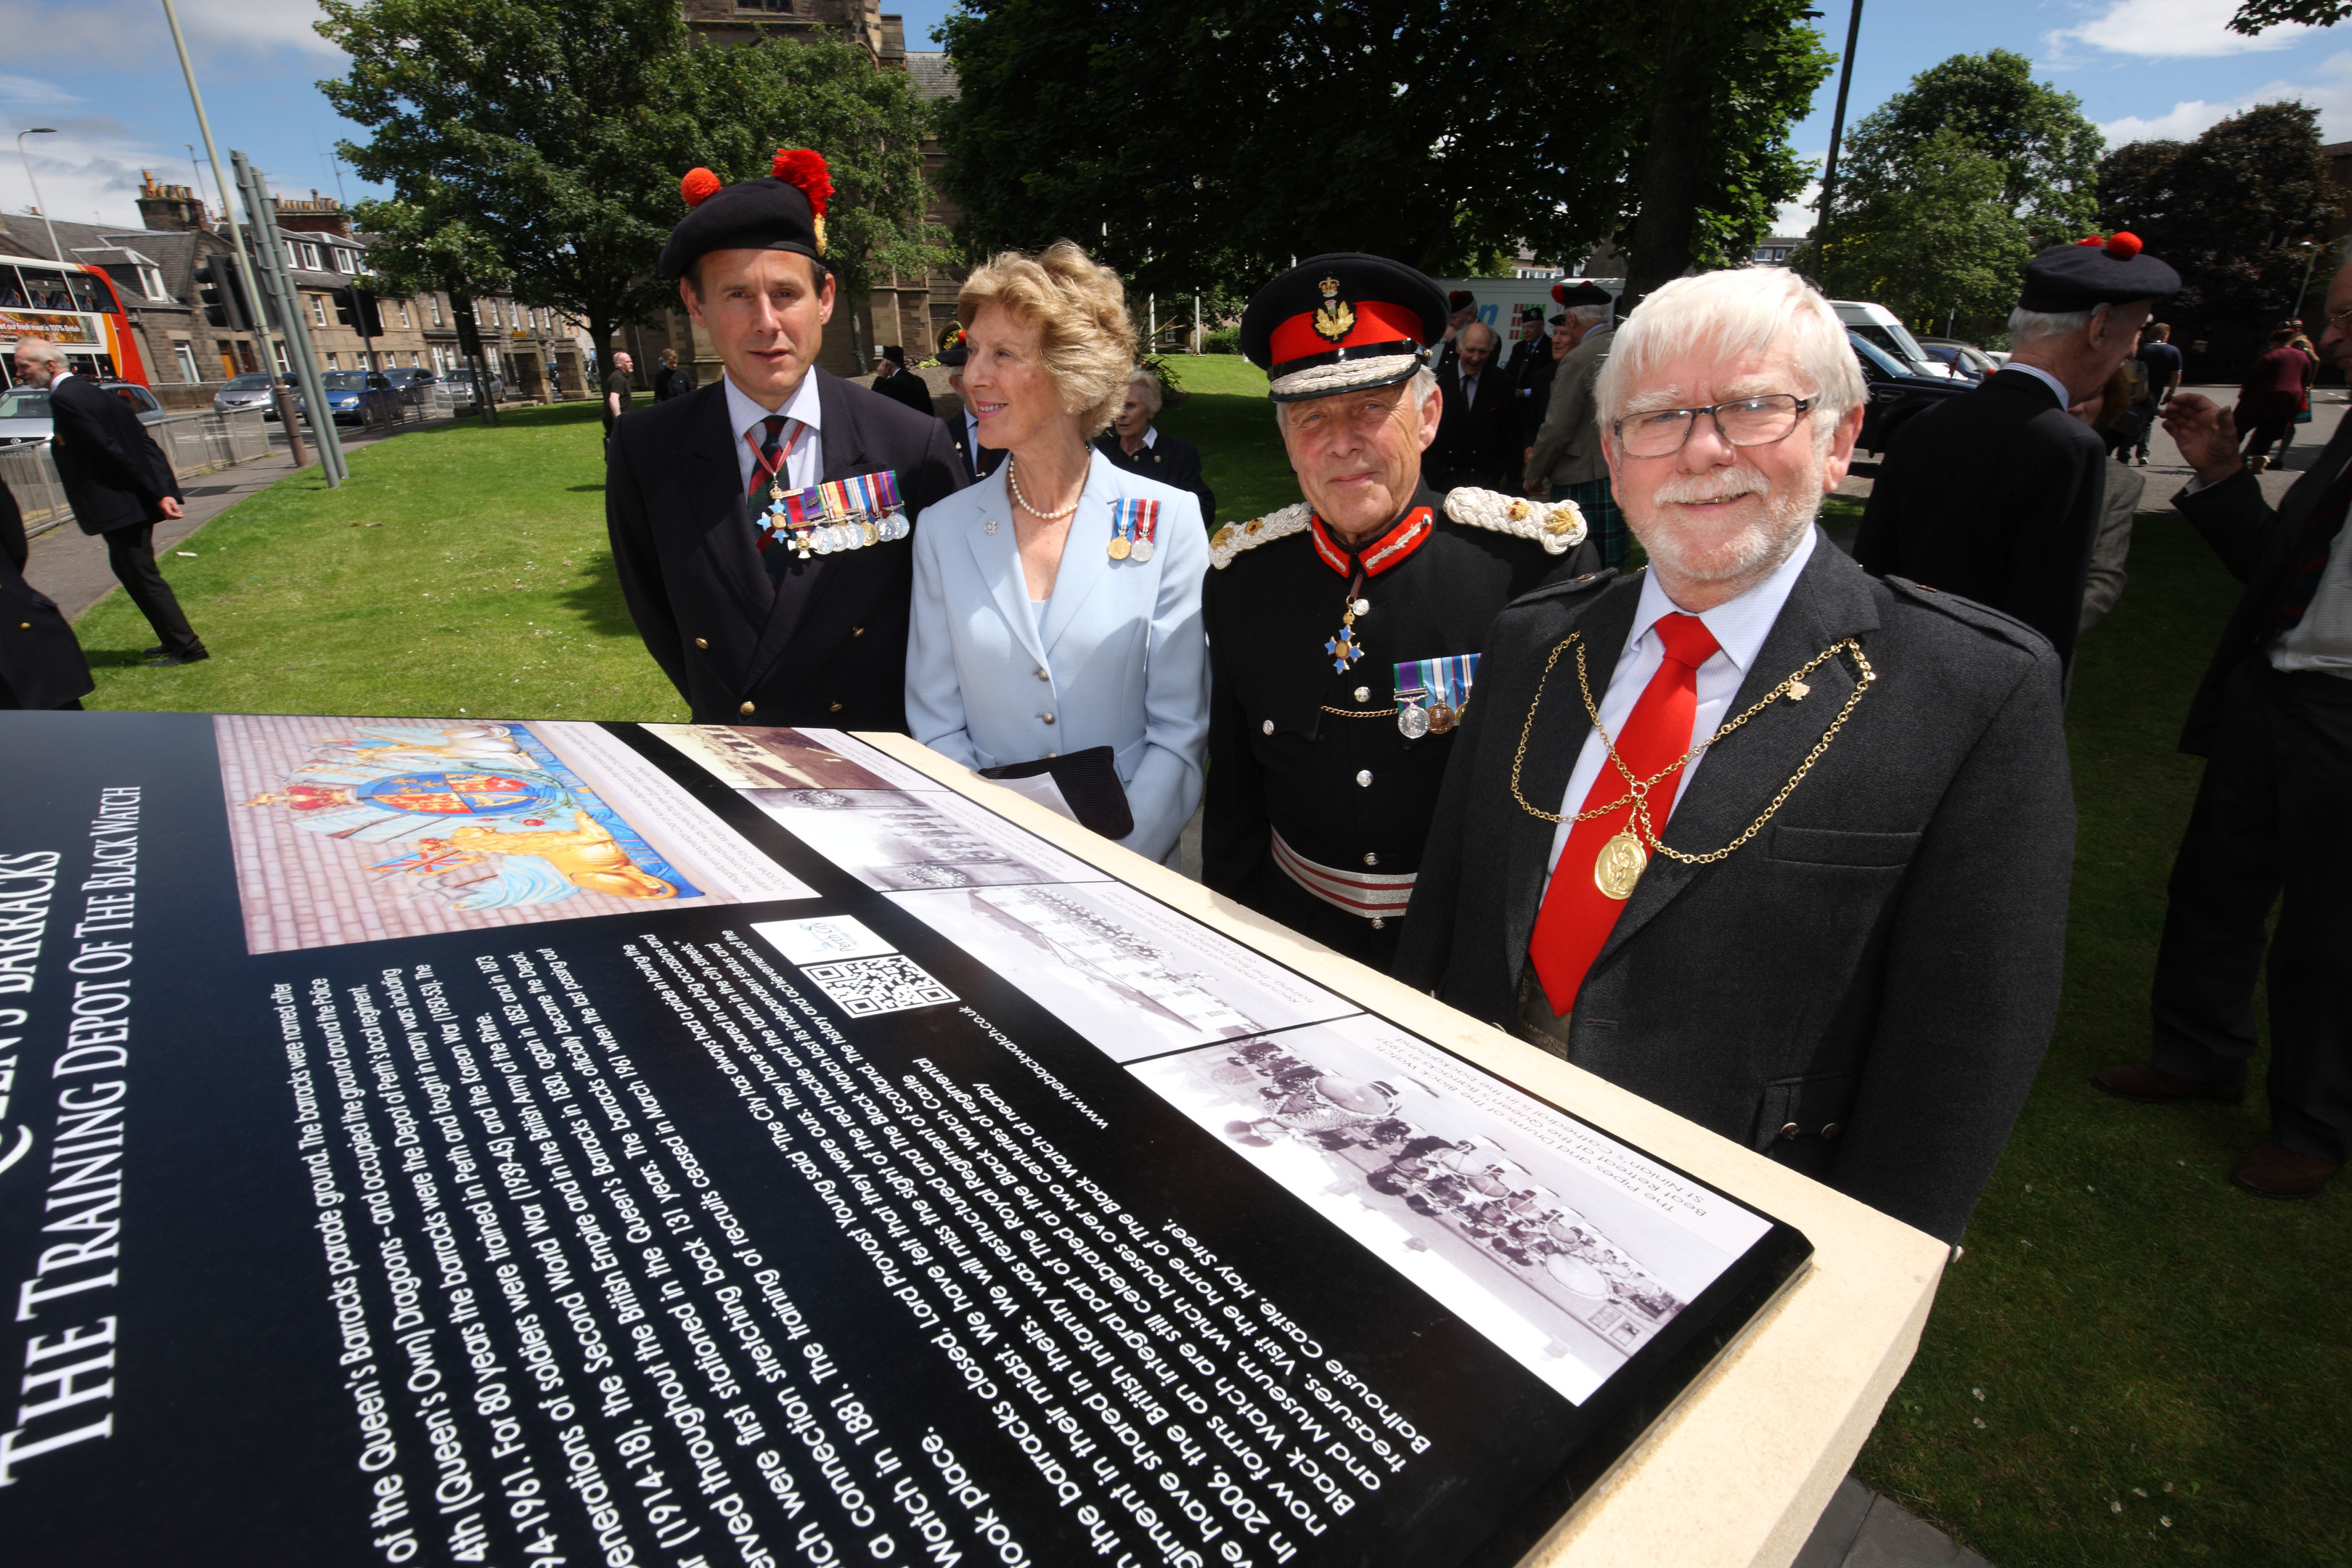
(1577, 916)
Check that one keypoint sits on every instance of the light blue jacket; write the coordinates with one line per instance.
(1121, 659)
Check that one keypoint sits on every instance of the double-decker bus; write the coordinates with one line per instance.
(73, 305)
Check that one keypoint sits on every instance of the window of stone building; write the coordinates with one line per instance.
(317, 310)
(187, 358)
(433, 304)
(285, 365)
(404, 314)
(331, 364)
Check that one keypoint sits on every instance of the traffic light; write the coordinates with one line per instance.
(221, 292)
(356, 308)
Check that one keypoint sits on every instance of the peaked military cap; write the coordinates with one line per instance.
(782, 211)
(1338, 323)
(2095, 271)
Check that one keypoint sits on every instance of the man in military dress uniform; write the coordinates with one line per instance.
(760, 525)
(1344, 631)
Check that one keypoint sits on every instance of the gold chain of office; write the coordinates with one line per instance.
(1637, 791)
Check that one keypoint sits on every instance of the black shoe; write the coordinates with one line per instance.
(171, 660)
(151, 653)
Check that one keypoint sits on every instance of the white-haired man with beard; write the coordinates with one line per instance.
(1775, 844)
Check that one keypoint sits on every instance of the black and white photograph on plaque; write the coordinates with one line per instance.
(821, 938)
(759, 756)
(898, 840)
(1567, 1249)
(1130, 976)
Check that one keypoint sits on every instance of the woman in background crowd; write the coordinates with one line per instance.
(1057, 601)
(1136, 446)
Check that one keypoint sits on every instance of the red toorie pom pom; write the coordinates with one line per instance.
(699, 187)
(2091, 239)
(1559, 293)
(805, 167)
(2124, 247)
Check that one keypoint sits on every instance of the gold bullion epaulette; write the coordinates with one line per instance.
(1236, 537)
(1557, 525)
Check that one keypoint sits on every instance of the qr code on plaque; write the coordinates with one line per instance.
(890, 984)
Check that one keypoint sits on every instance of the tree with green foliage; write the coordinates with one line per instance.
(1443, 132)
(2231, 211)
(2255, 15)
(2049, 155)
(536, 145)
(1943, 242)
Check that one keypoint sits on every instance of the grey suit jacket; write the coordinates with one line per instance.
(1567, 448)
(2257, 543)
(1863, 990)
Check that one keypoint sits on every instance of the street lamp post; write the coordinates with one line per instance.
(37, 201)
(2310, 259)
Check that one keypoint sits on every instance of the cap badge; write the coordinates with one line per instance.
(1335, 318)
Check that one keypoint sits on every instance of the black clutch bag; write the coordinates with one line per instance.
(1082, 785)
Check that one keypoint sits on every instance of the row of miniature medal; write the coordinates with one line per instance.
(1133, 523)
(840, 514)
(1444, 684)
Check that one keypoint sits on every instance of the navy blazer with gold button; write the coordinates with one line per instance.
(828, 647)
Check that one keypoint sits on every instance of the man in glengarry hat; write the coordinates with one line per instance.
(1565, 454)
(752, 620)
(1996, 495)
(1343, 630)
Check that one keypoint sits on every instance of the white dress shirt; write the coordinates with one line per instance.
(1740, 627)
(807, 464)
(2323, 638)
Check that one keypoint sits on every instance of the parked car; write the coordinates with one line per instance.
(1897, 394)
(411, 380)
(1967, 358)
(463, 390)
(1881, 326)
(25, 410)
(251, 390)
(351, 394)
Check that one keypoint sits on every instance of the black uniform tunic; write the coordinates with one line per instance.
(1294, 748)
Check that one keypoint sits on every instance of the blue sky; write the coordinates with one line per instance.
(103, 73)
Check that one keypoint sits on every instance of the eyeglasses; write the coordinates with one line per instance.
(1748, 422)
(2337, 320)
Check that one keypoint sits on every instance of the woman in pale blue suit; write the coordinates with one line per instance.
(1043, 623)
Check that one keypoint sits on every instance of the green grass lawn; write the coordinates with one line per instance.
(2123, 1321)
(2125, 1327)
(1226, 414)
(461, 570)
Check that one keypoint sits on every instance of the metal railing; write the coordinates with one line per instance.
(385, 411)
(193, 444)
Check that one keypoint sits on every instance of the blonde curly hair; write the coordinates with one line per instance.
(1083, 330)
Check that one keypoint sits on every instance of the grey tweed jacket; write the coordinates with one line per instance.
(1864, 990)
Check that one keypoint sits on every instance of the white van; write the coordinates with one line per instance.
(1882, 327)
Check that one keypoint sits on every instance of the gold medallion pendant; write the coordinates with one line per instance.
(1620, 865)
(1120, 549)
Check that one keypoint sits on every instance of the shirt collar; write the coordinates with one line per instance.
(1151, 436)
(803, 405)
(2065, 398)
(1739, 626)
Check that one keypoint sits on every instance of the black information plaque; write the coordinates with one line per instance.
(469, 1141)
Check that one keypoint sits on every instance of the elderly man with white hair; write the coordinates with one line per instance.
(1998, 494)
(1775, 844)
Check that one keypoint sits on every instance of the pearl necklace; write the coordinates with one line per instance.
(1014, 479)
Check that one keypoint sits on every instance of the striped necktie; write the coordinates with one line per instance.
(769, 473)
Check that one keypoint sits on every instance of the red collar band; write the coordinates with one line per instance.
(1389, 550)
